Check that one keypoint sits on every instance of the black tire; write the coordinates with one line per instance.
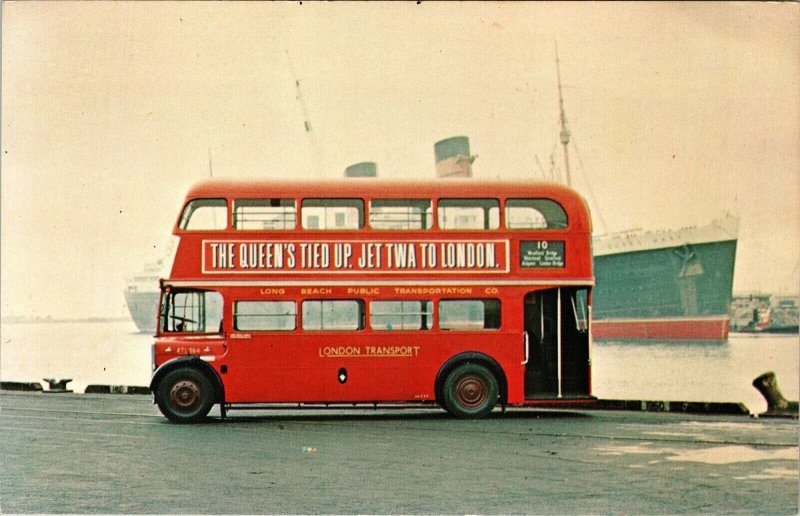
(185, 395)
(470, 391)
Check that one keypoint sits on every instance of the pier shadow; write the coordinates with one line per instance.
(307, 415)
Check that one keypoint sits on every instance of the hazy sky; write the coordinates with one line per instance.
(679, 112)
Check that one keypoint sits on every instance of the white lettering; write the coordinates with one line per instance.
(468, 255)
(402, 256)
(370, 256)
(341, 255)
(222, 256)
(428, 253)
(315, 256)
(263, 255)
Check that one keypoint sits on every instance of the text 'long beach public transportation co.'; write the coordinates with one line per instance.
(459, 294)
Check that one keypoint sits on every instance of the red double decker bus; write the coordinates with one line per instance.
(461, 294)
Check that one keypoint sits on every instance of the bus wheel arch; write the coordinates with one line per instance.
(474, 367)
(186, 388)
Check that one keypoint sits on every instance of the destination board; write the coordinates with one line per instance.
(541, 254)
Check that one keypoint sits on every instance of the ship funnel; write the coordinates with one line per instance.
(363, 169)
(453, 158)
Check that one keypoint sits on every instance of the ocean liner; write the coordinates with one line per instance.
(662, 285)
(665, 284)
(141, 296)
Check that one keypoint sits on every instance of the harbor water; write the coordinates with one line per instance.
(115, 354)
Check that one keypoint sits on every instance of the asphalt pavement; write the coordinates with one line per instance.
(84, 453)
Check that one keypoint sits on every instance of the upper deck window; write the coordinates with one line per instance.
(264, 214)
(535, 214)
(469, 213)
(400, 214)
(333, 214)
(205, 214)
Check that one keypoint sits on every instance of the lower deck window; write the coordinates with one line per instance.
(469, 314)
(580, 307)
(340, 315)
(265, 315)
(400, 315)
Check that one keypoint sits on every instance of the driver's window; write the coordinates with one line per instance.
(194, 311)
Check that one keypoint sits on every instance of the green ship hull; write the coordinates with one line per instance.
(665, 285)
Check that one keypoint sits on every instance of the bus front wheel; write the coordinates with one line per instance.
(185, 395)
(470, 391)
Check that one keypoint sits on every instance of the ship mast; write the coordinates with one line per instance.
(306, 119)
(564, 134)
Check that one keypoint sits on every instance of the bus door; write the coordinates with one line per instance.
(557, 343)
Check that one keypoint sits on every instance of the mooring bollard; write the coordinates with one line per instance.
(777, 405)
(57, 385)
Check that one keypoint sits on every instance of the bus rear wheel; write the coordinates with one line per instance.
(185, 395)
(470, 391)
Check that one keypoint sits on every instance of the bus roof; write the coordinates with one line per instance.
(370, 188)
(379, 188)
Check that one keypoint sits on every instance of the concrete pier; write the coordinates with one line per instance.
(113, 453)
